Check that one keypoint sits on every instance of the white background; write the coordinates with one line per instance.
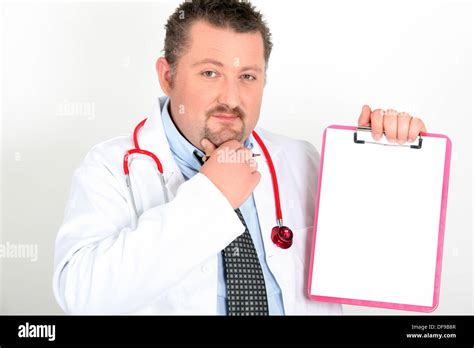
(329, 58)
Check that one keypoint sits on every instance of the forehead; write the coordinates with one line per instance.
(224, 44)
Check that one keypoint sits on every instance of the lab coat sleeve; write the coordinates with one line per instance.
(103, 266)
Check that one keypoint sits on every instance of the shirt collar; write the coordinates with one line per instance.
(183, 151)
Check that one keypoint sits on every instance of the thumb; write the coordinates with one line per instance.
(364, 119)
(207, 146)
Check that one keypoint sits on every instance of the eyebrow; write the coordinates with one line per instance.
(220, 64)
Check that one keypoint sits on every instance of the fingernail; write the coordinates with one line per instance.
(378, 136)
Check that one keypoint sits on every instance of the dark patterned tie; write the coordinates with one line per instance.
(246, 292)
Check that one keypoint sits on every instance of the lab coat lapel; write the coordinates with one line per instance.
(153, 138)
(263, 194)
(263, 197)
(279, 260)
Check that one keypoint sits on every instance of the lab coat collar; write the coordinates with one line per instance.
(152, 137)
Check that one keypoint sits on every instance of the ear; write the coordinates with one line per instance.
(164, 74)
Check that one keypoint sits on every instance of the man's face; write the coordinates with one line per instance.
(218, 85)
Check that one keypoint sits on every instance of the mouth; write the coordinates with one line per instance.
(226, 117)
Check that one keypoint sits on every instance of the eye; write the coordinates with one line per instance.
(248, 77)
(209, 74)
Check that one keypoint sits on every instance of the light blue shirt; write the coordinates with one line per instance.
(183, 153)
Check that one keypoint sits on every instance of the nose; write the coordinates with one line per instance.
(229, 94)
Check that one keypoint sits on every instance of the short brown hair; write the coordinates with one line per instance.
(239, 16)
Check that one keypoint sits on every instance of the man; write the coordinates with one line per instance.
(202, 244)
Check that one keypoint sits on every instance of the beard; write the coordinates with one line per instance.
(225, 132)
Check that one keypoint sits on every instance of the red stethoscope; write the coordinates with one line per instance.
(281, 235)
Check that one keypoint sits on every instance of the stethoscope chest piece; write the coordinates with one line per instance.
(282, 236)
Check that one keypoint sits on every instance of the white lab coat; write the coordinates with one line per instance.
(165, 262)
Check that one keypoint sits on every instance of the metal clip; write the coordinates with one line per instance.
(368, 129)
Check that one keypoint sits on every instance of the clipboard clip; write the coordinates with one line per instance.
(357, 140)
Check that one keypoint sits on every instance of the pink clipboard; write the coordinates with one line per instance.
(336, 280)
